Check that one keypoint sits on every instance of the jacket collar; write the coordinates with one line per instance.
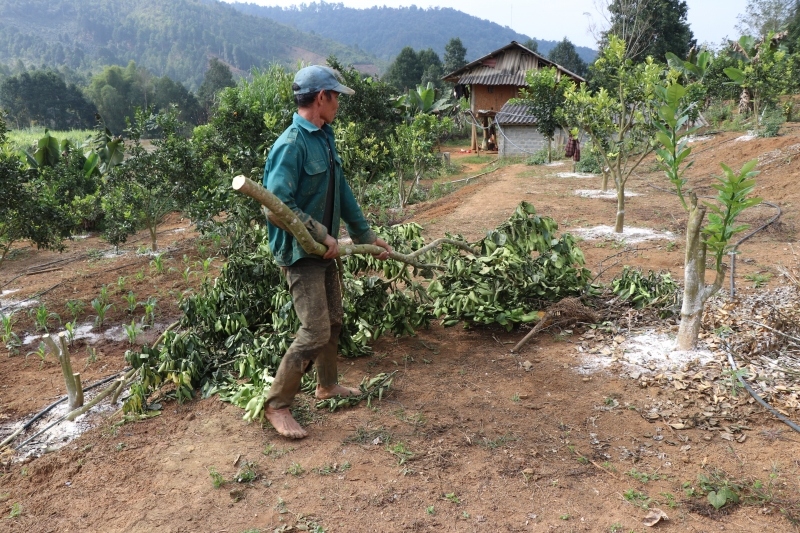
(308, 126)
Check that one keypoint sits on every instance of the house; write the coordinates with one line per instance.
(494, 79)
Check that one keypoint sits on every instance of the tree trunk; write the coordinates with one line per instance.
(694, 279)
(153, 243)
(604, 187)
(619, 225)
(71, 380)
(549, 150)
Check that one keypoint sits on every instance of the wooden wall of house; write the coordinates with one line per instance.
(492, 97)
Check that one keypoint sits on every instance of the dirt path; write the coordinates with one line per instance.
(468, 439)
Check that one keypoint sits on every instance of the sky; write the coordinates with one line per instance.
(710, 20)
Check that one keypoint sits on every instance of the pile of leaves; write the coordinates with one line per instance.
(235, 330)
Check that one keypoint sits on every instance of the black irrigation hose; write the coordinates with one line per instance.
(759, 399)
(50, 407)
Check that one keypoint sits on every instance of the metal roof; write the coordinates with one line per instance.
(505, 66)
(514, 114)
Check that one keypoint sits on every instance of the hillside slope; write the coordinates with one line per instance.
(384, 31)
(174, 38)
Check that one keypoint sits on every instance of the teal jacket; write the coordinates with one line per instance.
(297, 172)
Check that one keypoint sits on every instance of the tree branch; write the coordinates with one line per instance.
(300, 232)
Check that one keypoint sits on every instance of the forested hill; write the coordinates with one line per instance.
(384, 31)
(168, 37)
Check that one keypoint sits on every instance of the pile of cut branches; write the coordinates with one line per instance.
(236, 329)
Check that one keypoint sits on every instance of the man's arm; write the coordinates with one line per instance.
(357, 225)
(282, 178)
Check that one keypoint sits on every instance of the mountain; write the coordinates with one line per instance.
(168, 37)
(384, 31)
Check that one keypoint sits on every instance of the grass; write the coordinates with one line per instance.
(400, 451)
(637, 498)
(216, 478)
(758, 279)
(247, 472)
(335, 468)
(369, 436)
(642, 477)
(295, 469)
(498, 442)
(26, 139)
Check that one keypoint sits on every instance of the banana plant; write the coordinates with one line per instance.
(759, 73)
(422, 100)
(694, 67)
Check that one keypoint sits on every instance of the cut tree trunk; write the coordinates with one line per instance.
(695, 290)
(71, 379)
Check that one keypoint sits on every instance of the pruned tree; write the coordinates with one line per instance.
(618, 119)
(733, 197)
(544, 98)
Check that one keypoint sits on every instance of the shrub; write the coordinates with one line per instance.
(718, 112)
(771, 122)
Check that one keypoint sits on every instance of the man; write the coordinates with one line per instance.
(304, 170)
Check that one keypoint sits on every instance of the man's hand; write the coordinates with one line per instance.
(333, 248)
(383, 244)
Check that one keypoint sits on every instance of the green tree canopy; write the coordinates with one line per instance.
(455, 55)
(406, 71)
(42, 97)
(118, 91)
(764, 16)
(370, 106)
(171, 93)
(793, 30)
(650, 28)
(531, 45)
(217, 77)
(544, 97)
(565, 55)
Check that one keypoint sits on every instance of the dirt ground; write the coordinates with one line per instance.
(471, 438)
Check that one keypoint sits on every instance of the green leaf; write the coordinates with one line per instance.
(734, 74)
(717, 499)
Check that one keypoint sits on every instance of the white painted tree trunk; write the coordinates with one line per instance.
(619, 224)
(695, 290)
(72, 380)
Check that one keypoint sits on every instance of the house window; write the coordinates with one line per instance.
(490, 90)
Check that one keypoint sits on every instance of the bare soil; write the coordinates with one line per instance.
(467, 440)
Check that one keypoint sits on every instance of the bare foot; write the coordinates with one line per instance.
(323, 393)
(282, 421)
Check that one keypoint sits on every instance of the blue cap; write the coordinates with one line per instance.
(319, 78)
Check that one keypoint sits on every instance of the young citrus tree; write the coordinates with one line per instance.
(544, 98)
(617, 117)
(733, 197)
(150, 185)
(412, 147)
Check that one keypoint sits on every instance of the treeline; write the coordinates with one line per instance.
(174, 38)
(385, 31)
(57, 189)
(44, 97)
